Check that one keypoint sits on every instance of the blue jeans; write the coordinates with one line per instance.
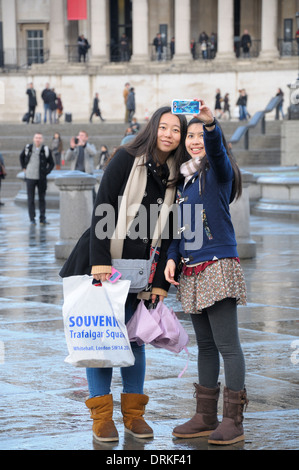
(242, 113)
(47, 111)
(99, 379)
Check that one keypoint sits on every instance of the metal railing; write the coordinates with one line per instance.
(73, 55)
(288, 48)
(258, 117)
(20, 58)
(16, 59)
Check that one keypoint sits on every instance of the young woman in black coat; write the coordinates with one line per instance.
(145, 172)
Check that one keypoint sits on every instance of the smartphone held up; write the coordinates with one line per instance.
(185, 107)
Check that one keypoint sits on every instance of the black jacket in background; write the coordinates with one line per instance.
(46, 162)
(32, 101)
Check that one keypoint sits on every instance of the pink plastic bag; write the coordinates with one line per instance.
(159, 327)
(143, 327)
(174, 337)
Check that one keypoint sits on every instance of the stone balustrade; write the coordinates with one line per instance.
(76, 203)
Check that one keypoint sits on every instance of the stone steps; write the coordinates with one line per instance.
(256, 157)
(264, 149)
(13, 138)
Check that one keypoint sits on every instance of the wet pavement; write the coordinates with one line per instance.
(42, 397)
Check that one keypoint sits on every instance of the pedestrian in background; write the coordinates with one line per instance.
(81, 153)
(242, 103)
(135, 126)
(83, 46)
(279, 108)
(2, 174)
(57, 148)
(59, 107)
(212, 282)
(37, 162)
(32, 102)
(218, 107)
(158, 46)
(103, 158)
(226, 107)
(124, 48)
(96, 108)
(131, 104)
(126, 92)
(46, 99)
(246, 43)
(52, 105)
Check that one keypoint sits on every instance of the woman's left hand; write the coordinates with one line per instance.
(205, 115)
(154, 298)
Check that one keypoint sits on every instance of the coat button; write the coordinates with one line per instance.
(160, 200)
(145, 240)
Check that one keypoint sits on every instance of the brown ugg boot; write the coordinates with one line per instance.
(133, 408)
(101, 410)
(205, 419)
(230, 430)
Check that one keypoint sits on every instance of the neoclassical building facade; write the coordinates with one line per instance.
(38, 42)
(34, 31)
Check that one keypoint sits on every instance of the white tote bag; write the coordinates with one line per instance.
(94, 323)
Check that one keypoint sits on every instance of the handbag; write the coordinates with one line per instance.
(94, 323)
(26, 116)
(137, 271)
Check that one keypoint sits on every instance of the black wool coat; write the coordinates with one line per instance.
(91, 251)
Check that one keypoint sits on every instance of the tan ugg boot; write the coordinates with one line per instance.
(205, 419)
(101, 410)
(230, 430)
(133, 408)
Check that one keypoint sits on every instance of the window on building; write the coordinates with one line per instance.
(35, 46)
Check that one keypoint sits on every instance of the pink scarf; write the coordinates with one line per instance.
(190, 167)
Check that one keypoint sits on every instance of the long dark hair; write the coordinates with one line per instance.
(145, 143)
(204, 165)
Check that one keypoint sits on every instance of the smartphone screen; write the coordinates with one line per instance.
(185, 107)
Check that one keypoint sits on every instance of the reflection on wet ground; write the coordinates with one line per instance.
(42, 397)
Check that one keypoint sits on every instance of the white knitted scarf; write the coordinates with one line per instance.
(131, 200)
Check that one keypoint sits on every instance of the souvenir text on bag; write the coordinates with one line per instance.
(94, 323)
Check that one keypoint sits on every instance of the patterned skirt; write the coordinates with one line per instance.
(220, 280)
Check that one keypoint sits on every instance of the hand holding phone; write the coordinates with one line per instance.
(115, 275)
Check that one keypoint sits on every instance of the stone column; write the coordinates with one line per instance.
(57, 32)
(269, 49)
(98, 39)
(182, 31)
(240, 214)
(225, 41)
(9, 23)
(76, 205)
(140, 31)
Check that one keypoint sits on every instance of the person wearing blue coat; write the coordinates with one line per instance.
(211, 283)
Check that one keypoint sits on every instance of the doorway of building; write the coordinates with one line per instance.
(120, 30)
(237, 26)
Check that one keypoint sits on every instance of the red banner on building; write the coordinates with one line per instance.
(77, 9)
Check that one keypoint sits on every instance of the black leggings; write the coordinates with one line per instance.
(216, 330)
